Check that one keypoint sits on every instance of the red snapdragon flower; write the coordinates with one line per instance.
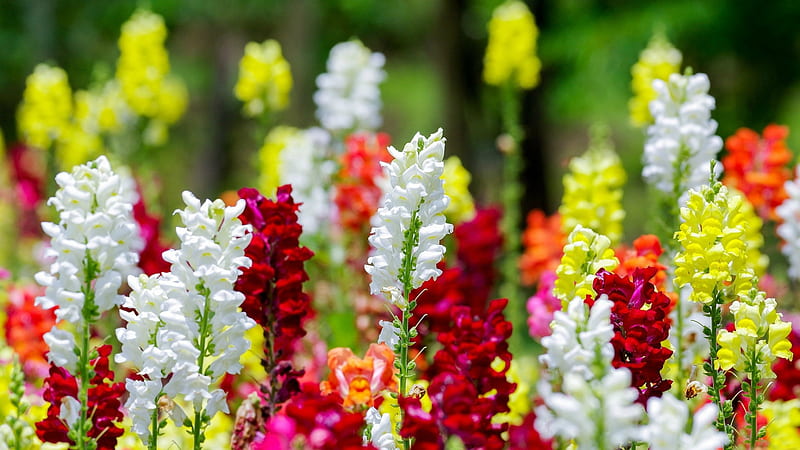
(26, 326)
(639, 317)
(467, 387)
(28, 171)
(103, 403)
(273, 285)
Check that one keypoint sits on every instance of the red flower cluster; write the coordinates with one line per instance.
(757, 167)
(466, 391)
(357, 194)
(544, 244)
(314, 421)
(525, 436)
(150, 260)
(26, 326)
(478, 243)
(273, 285)
(639, 316)
(104, 403)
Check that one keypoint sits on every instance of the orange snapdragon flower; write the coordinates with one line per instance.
(756, 166)
(544, 244)
(360, 381)
(645, 253)
(25, 326)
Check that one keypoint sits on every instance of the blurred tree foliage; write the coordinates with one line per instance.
(434, 55)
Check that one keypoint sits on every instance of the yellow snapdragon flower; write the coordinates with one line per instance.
(143, 73)
(759, 331)
(456, 186)
(753, 237)
(783, 424)
(714, 253)
(46, 106)
(656, 62)
(585, 253)
(265, 78)
(593, 189)
(269, 158)
(511, 52)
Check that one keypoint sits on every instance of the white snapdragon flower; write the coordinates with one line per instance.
(668, 419)
(789, 230)
(598, 414)
(187, 323)
(94, 245)
(597, 405)
(682, 141)
(348, 97)
(390, 334)
(412, 208)
(306, 164)
(380, 427)
(579, 334)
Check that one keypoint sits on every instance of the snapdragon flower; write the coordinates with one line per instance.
(596, 406)
(585, 253)
(348, 97)
(668, 418)
(511, 50)
(410, 222)
(265, 78)
(379, 430)
(46, 106)
(94, 245)
(456, 187)
(682, 140)
(189, 323)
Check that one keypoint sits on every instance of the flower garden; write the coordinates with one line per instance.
(353, 293)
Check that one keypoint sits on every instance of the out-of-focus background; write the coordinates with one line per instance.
(434, 50)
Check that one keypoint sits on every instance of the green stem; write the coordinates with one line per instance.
(89, 315)
(199, 414)
(755, 400)
(717, 377)
(153, 443)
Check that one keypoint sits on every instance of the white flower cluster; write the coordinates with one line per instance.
(415, 193)
(348, 97)
(596, 406)
(577, 339)
(307, 166)
(789, 230)
(682, 141)
(668, 419)
(95, 244)
(187, 322)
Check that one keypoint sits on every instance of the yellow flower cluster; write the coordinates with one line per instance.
(46, 106)
(456, 186)
(269, 158)
(714, 251)
(783, 424)
(265, 78)
(760, 333)
(511, 52)
(143, 72)
(593, 190)
(656, 62)
(585, 253)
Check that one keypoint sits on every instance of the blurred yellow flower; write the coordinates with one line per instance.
(783, 424)
(511, 52)
(46, 106)
(714, 254)
(456, 186)
(265, 78)
(593, 189)
(753, 237)
(656, 62)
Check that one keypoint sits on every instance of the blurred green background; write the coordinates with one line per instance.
(434, 51)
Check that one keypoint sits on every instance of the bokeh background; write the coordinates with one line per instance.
(434, 51)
